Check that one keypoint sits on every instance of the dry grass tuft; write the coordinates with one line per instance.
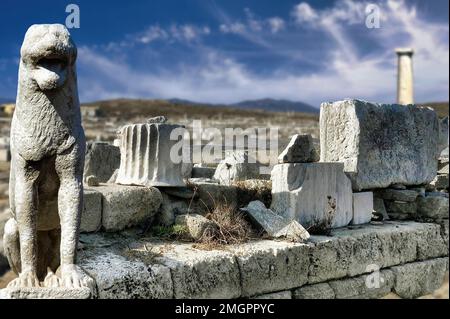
(232, 228)
(173, 232)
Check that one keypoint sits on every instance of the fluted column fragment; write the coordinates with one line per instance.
(145, 156)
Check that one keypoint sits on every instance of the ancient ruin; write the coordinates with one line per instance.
(145, 156)
(380, 145)
(405, 79)
(121, 218)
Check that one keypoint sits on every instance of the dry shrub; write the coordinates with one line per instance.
(232, 227)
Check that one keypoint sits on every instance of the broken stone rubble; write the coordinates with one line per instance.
(237, 166)
(275, 225)
(300, 149)
(101, 160)
(197, 225)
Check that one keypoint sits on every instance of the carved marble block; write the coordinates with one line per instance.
(312, 193)
(380, 144)
(146, 156)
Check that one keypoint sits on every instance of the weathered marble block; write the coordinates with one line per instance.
(46, 293)
(127, 206)
(91, 216)
(145, 156)
(299, 150)
(312, 193)
(102, 159)
(362, 208)
(380, 145)
(237, 166)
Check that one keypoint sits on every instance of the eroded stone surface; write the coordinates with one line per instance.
(237, 166)
(196, 224)
(421, 278)
(102, 159)
(91, 216)
(170, 207)
(46, 293)
(350, 252)
(333, 267)
(47, 157)
(92, 180)
(126, 206)
(312, 193)
(404, 195)
(364, 287)
(300, 149)
(268, 266)
(362, 208)
(211, 193)
(274, 224)
(380, 145)
(433, 206)
(202, 274)
(146, 156)
(120, 278)
(317, 291)
(276, 295)
(401, 210)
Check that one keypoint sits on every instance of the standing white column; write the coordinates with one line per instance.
(405, 80)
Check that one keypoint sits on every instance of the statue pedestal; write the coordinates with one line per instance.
(46, 293)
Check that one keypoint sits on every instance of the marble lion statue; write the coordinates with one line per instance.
(47, 159)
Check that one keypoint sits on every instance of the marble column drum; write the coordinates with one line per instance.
(145, 156)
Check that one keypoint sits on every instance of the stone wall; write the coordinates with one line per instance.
(412, 259)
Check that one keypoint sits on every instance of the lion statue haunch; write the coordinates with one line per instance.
(47, 160)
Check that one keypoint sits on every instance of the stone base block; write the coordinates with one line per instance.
(312, 193)
(421, 278)
(45, 293)
(362, 208)
(126, 206)
(91, 216)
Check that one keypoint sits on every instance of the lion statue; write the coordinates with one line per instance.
(47, 160)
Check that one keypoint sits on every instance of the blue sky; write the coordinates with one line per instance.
(224, 51)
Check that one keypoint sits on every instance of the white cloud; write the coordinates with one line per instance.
(153, 33)
(276, 24)
(253, 24)
(401, 26)
(235, 27)
(222, 80)
(304, 13)
(188, 32)
(349, 72)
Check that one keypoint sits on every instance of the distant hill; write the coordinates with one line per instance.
(175, 108)
(268, 104)
(277, 106)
